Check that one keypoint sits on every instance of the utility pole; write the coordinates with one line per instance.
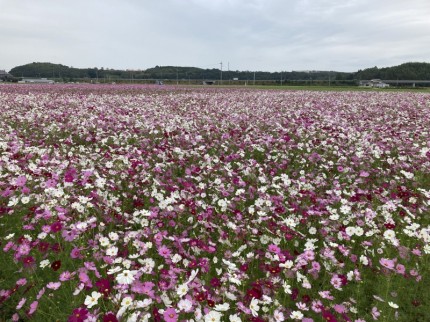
(221, 74)
(254, 78)
(228, 69)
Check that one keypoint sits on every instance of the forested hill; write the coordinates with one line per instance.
(407, 71)
(49, 70)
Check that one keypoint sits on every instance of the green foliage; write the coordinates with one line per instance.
(407, 71)
(58, 71)
(410, 71)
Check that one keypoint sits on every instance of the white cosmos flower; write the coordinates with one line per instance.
(230, 296)
(393, 305)
(350, 231)
(287, 288)
(254, 306)
(148, 265)
(290, 222)
(143, 304)
(113, 236)
(10, 236)
(133, 317)
(126, 301)
(25, 200)
(125, 277)
(104, 241)
(13, 201)
(389, 234)
(114, 270)
(288, 264)
(278, 316)
(193, 275)
(345, 209)
(176, 258)
(92, 300)
(296, 315)
(185, 305)
(233, 279)
(182, 290)
(112, 251)
(44, 263)
(213, 316)
(359, 231)
(235, 318)
(408, 175)
(312, 230)
(222, 307)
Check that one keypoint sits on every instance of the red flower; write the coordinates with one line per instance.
(215, 282)
(200, 296)
(328, 316)
(56, 226)
(56, 265)
(104, 286)
(110, 317)
(78, 315)
(255, 292)
(28, 261)
(244, 267)
(43, 247)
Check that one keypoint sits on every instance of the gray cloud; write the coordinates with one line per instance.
(251, 35)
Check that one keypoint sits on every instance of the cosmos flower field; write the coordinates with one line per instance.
(141, 203)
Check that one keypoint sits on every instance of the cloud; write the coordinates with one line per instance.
(252, 35)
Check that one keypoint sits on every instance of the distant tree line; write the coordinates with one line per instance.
(58, 71)
(407, 71)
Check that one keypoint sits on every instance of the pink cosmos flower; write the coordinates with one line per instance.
(20, 181)
(274, 249)
(53, 285)
(339, 308)
(21, 303)
(375, 313)
(336, 282)
(65, 276)
(387, 263)
(170, 315)
(84, 278)
(76, 253)
(23, 249)
(33, 307)
(164, 252)
(400, 269)
(316, 266)
(21, 282)
(364, 174)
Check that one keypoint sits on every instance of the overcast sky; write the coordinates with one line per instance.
(264, 35)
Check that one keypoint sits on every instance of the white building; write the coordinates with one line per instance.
(4, 75)
(376, 83)
(37, 81)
